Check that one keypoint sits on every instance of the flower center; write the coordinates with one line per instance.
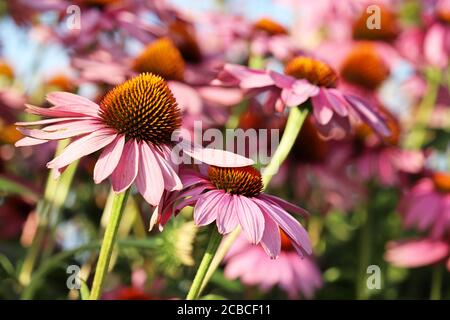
(161, 57)
(443, 15)
(245, 181)
(6, 70)
(315, 71)
(365, 27)
(442, 181)
(286, 242)
(183, 35)
(142, 108)
(364, 67)
(269, 26)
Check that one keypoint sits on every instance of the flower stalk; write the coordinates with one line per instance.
(109, 240)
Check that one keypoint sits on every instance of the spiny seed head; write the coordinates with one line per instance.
(142, 108)
(387, 31)
(269, 26)
(183, 35)
(364, 67)
(245, 181)
(315, 71)
(161, 57)
(441, 181)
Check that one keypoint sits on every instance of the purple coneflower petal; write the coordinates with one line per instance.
(227, 219)
(206, 209)
(109, 159)
(84, 127)
(149, 181)
(82, 147)
(284, 204)
(69, 101)
(271, 241)
(27, 141)
(54, 120)
(251, 218)
(321, 108)
(127, 168)
(171, 180)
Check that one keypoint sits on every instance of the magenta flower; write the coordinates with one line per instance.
(427, 205)
(232, 197)
(418, 252)
(133, 125)
(306, 79)
(295, 275)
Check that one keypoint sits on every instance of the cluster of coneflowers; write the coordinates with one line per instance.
(336, 134)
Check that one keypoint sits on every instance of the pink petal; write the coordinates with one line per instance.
(271, 241)
(434, 45)
(171, 180)
(126, 171)
(206, 210)
(69, 101)
(47, 121)
(82, 147)
(52, 112)
(84, 127)
(292, 227)
(416, 253)
(150, 181)
(227, 219)
(27, 141)
(251, 219)
(284, 204)
(109, 159)
(321, 109)
(215, 157)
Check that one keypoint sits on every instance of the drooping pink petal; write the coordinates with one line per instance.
(109, 159)
(292, 227)
(171, 180)
(83, 146)
(126, 170)
(251, 218)
(321, 108)
(206, 209)
(227, 219)
(52, 112)
(271, 241)
(284, 204)
(47, 121)
(149, 181)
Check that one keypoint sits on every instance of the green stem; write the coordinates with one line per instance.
(108, 243)
(294, 124)
(196, 286)
(56, 191)
(364, 254)
(436, 282)
(417, 137)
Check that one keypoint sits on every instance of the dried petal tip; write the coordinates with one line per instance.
(245, 181)
(142, 108)
(315, 71)
(161, 57)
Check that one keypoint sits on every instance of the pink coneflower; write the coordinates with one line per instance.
(133, 124)
(232, 197)
(427, 205)
(418, 252)
(295, 275)
(306, 79)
